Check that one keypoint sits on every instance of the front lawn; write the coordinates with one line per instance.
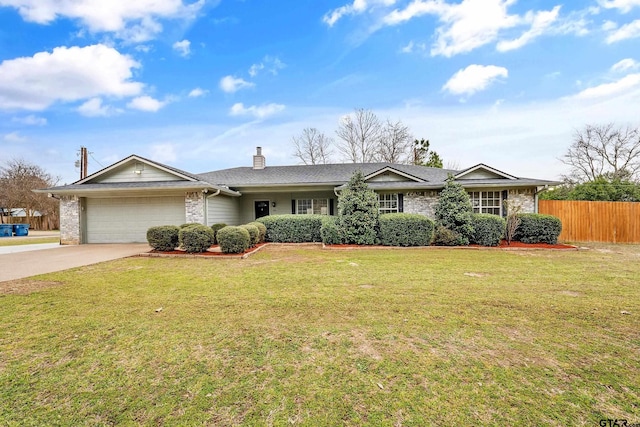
(304, 336)
(20, 241)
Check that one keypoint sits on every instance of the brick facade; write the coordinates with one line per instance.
(194, 207)
(70, 209)
(524, 197)
(421, 202)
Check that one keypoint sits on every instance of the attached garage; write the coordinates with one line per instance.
(126, 219)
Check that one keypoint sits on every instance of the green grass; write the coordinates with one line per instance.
(303, 336)
(18, 241)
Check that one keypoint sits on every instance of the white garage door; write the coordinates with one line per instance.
(126, 219)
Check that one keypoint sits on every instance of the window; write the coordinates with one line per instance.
(388, 203)
(486, 202)
(312, 206)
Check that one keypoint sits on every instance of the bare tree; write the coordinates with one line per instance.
(608, 150)
(313, 147)
(361, 133)
(17, 180)
(395, 144)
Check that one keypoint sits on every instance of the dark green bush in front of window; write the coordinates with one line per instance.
(163, 238)
(330, 231)
(488, 229)
(404, 229)
(233, 240)
(196, 238)
(453, 211)
(538, 228)
(358, 212)
(254, 234)
(293, 228)
(262, 229)
(215, 228)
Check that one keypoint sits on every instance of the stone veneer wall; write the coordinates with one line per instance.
(421, 202)
(194, 207)
(525, 198)
(69, 220)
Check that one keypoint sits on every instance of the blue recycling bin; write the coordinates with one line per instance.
(21, 229)
(6, 230)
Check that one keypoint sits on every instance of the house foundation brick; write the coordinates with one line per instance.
(194, 207)
(70, 208)
(524, 198)
(421, 202)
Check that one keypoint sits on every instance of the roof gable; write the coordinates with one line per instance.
(390, 174)
(136, 169)
(482, 171)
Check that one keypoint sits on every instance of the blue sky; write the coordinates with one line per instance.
(199, 84)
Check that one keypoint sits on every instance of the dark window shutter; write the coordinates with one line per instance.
(331, 207)
(505, 195)
(400, 202)
(293, 206)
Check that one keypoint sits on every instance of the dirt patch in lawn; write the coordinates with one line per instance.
(25, 286)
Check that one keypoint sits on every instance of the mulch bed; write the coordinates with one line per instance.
(213, 251)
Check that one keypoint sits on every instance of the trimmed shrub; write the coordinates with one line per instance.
(445, 237)
(163, 238)
(189, 224)
(233, 240)
(330, 231)
(215, 228)
(454, 211)
(404, 229)
(488, 229)
(292, 228)
(196, 238)
(262, 230)
(358, 212)
(538, 228)
(254, 234)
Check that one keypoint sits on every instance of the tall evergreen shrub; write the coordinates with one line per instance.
(454, 211)
(358, 212)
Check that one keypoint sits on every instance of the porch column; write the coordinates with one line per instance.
(70, 220)
(194, 207)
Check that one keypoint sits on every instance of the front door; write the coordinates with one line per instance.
(262, 208)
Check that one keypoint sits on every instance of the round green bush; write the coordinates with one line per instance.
(404, 229)
(196, 238)
(254, 234)
(262, 229)
(189, 224)
(163, 238)
(538, 228)
(215, 228)
(233, 240)
(330, 231)
(488, 229)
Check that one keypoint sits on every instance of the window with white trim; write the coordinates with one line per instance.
(486, 202)
(388, 203)
(312, 206)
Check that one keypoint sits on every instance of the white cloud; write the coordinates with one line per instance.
(197, 92)
(135, 21)
(259, 112)
(540, 23)
(412, 47)
(356, 8)
(146, 103)
(66, 74)
(30, 120)
(183, 48)
(14, 137)
(474, 78)
(627, 31)
(272, 64)
(232, 84)
(626, 84)
(95, 108)
(623, 5)
(625, 65)
(609, 25)
(164, 153)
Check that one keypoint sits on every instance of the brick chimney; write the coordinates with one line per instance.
(259, 162)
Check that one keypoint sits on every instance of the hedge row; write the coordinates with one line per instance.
(538, 228)
(487, 229)
(404, 229)
(292, 228)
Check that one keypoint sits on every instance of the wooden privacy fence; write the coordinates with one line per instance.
(613, 222)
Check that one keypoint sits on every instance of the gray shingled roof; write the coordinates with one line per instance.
(314, 174)
(147, 185)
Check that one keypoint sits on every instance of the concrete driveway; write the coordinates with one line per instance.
(18, 265)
